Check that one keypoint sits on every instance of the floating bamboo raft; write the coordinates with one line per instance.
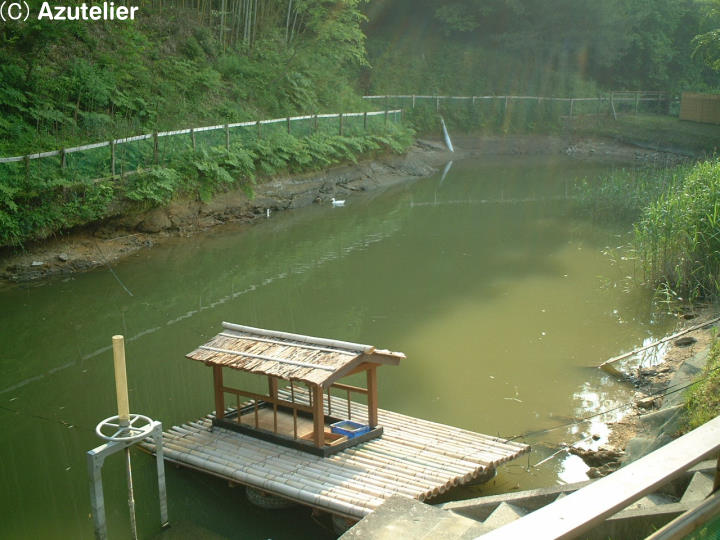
(414, 458)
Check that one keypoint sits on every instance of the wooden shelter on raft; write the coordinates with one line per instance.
(312, 366)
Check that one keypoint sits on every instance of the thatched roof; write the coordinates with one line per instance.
(313, 360)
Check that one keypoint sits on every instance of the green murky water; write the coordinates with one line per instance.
(499, 296)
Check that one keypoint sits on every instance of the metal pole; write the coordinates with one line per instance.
(131, 494)
(160, 460)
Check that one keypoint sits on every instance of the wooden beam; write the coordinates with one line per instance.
(268, 399)
(372, 396)
(219, 392)
(318, 417)
(357, 389)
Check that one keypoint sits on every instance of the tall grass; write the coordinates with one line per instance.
(678, 236)
(623, 194)
(702, 401)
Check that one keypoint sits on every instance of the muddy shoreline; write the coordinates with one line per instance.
(657, 415)
(103, 243)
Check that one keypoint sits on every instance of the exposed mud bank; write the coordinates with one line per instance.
(658, 412)
(105, 242)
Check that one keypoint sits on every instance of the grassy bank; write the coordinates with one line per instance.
(652, 130)
(703, 399)
(35, 207)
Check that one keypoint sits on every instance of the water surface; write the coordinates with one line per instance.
(500, 295)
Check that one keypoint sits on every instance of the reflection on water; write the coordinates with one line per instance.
(502, 299)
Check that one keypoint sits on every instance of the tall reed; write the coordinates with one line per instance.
(678, 236)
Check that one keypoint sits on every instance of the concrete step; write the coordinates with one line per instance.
(651, 501)
(504, 514)
(700, 486)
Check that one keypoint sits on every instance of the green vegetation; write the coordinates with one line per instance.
(68, 83)
(35, 207)
(678, 237)
(677, 223)
(623, 194)
(703, 399)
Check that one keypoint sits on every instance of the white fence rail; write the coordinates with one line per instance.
(192, 131)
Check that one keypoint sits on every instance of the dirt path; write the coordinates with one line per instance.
(103, 243)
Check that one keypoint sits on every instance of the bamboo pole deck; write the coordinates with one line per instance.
(414, 458)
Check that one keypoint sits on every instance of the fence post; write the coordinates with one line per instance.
(63, 158)
(365, 120)
(315, 123)
(386, 117)
(112, 158)
(259, 129)
(288, 124)
(155, 147)
(506, 105)
(637, 101)
(192, 138)
(27, 167)
(572, 103)
(437, 103)
(612, 104)
(227, 138)
(413, 106)
(341, 124)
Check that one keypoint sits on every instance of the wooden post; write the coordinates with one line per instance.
(365, 120)
(386, 117)
(121, 388)
(637, 101)
(192, 138)
(27, 166)
(372, 396)
(572, 102)
(220, 394)
(288, 124)
(227, 138)
(329, 402)
(716, 483)
(341, 124)
(112, 158)
(273, 393)
(259, 129)
(413, 98)
(155, 147)
(437, 103)
(63, 158)
(315, 124)
(318, 416)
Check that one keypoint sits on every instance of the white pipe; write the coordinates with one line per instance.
(448, 142)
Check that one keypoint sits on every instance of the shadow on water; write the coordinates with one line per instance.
(495, 291)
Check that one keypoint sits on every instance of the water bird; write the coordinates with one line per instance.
(267, 213)
(335, 202)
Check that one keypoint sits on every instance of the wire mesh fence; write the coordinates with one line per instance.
(508, 112)
(119, 157)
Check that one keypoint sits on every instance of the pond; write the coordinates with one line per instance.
(501, 295)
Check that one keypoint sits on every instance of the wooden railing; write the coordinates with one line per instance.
(580, 511)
